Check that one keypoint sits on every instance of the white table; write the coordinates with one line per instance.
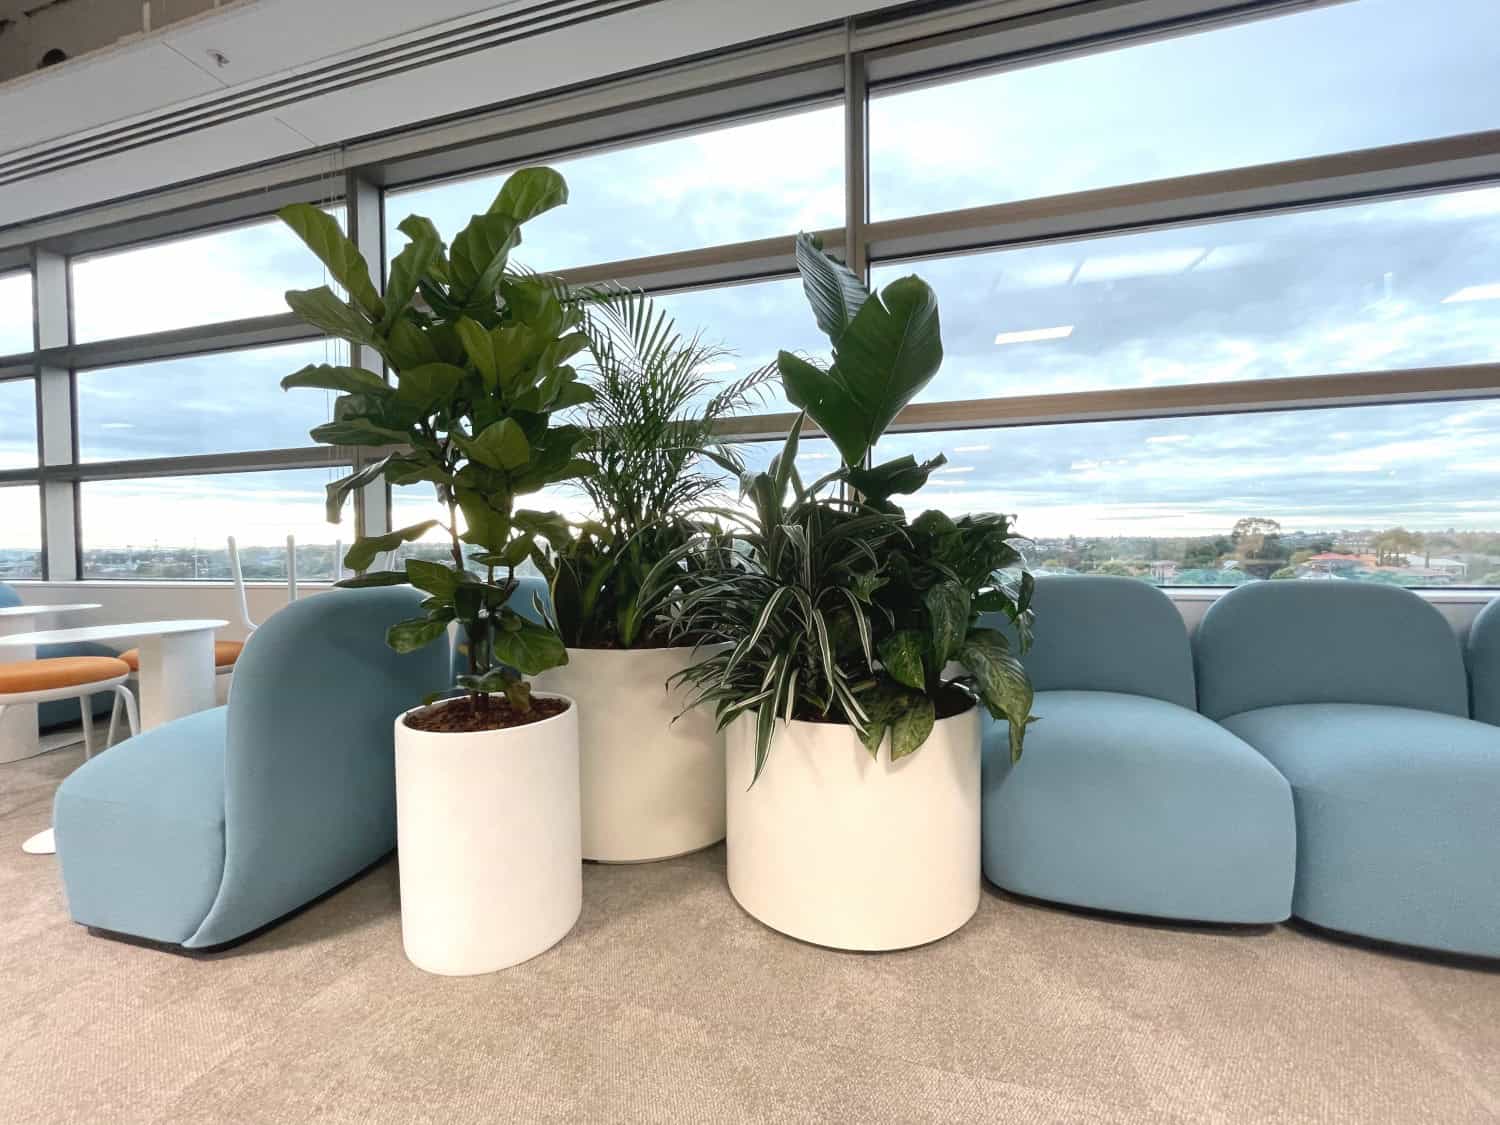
(176, 676)
(177, 661)
(18, 730)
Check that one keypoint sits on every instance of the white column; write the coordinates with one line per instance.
(55, 388)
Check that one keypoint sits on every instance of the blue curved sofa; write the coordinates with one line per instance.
(1127, 799)
(1357, 693)
(1483, 659)
(210, 827)
(63, 712)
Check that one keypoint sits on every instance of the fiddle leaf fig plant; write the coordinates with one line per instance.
(479, 356)
(835, 606)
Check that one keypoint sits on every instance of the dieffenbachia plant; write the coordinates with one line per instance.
(479, 361)
(837, 608)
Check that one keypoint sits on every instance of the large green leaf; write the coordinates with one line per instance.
(528, 192)
(320, 231)
(433, 577)
(478, 256)
(948, 615)
(356, 431)
(363, 553)
(321, 308)
(414, 263)
(1002, 681)
(894, 478)
(338, 490)
(426, 386)
(890, 351)
(373, 578)
(325, 377)
(833, 290)
(910, 728)
(416, 632)
(502, 445)
(901, 654)
(529, 648)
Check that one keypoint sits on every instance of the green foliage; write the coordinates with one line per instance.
(837, 607)
(652, 443)
(479, 361)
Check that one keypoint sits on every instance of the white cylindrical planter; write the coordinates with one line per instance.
(488, 843)
(651, 788)
(840, 849)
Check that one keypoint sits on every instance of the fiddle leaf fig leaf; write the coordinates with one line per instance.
(351, 380)
(528, 192)
(529, 648)
(320, 231)
(479, 253)
(322, 309)
(363, 553)
(417, 632)
(501, 446)
(407, 269)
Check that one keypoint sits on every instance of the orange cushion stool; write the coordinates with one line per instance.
(58, 672)
(225, 654)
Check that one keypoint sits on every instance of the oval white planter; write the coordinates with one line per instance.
(840, 849)
(488, 843)
(651, 788)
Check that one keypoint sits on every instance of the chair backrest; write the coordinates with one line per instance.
(309, 770)
(1103, 633)
(8, 596)
(239, 585)
(521, 601)
(1484, 665)
(1266, 644)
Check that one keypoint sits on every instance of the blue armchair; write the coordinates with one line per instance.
(206, 829)
(1356, 692)
(1484, 665)
(1127, 799)
(63, 712)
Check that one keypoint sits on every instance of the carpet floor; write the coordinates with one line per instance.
(668, 1003)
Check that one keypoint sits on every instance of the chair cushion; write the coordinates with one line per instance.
(66, 671)
(1398, 820)
(225, 654)
(1132, 804)
(140, 830)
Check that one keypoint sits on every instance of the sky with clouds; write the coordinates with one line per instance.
(1373, 286)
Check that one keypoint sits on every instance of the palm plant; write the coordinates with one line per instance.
(653, 443)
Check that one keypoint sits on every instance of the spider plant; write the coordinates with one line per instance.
(653, 444)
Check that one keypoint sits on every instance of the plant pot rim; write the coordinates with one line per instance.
(572, 708)
(641, 650)
(817, 723)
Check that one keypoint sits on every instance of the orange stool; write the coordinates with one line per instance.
(225, 654)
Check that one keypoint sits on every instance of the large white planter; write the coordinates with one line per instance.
(651, 788)
(839, 849)
(488, 843)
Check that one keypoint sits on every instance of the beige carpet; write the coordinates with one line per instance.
(667, 1003)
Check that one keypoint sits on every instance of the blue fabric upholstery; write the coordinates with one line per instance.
(1133, 804)
(522, 601)
(1268, 644)
(1397, 816)
(140, 831)
(1484, 665)
(62, 712)
(305, 794)
(1126, 799)
(1101, 633)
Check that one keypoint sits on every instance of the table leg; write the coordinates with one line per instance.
(18, 731)
(177, 676)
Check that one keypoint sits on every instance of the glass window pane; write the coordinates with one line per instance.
(18, 424)
(731, 184)
(754, 322)
(15, 313)
(224, 275)
(1404, 494)
(20, 531)
(225, 402)
(1343, 78)
(176, 527)
(1378, 286)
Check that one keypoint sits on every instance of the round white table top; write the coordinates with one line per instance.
(39, 610)
(122, 631)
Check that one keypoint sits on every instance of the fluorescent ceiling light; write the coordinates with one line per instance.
(1490, 292)
(971, 448)
(1026, 336)
(1145, 263)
